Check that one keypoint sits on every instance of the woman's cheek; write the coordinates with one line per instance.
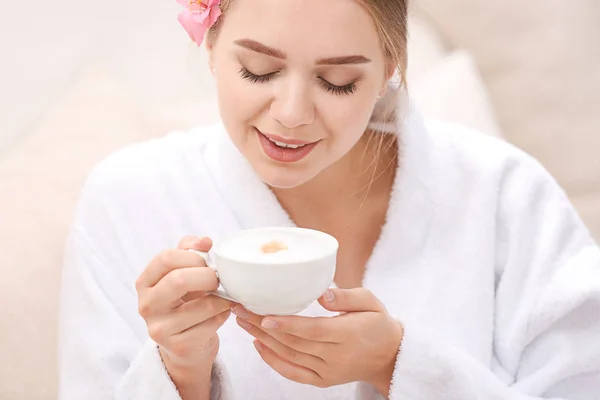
(242, 101)
(348, 116)
(239, 105)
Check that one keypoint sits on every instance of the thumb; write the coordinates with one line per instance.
(351, 300)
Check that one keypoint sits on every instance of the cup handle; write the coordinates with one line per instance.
(219, 293)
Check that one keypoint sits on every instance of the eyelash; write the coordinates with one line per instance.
(256, 78)
(337, 90)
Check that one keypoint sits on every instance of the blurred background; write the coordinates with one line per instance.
(81, 79)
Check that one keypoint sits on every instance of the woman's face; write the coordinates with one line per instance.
(301, 73)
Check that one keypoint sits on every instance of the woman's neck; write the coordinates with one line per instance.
(338, 195)
(349, 201)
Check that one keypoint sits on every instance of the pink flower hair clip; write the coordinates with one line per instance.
(198, 17)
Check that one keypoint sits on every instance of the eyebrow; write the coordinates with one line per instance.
(272, 52)
(260, 48)
(344, 60)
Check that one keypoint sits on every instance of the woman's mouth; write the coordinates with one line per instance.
(284, 150)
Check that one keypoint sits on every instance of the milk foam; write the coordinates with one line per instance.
(301, 246)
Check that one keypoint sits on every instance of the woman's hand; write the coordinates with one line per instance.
(361, 344)
(181, 317)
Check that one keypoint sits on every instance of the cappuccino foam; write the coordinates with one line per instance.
(274, 246)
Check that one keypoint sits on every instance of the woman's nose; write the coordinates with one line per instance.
(293, 106)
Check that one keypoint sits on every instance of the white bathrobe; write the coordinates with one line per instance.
(482, 258)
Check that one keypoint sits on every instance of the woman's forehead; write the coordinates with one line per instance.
(319, 28)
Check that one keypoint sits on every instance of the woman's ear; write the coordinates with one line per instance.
(390, 71)
(209, 49)
(389, 74)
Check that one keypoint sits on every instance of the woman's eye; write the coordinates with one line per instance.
(338, 90)
(256, 78)
(330, 87)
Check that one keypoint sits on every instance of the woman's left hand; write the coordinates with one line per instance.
(361, 344)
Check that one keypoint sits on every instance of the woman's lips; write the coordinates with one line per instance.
(276, 138)
(282, 154)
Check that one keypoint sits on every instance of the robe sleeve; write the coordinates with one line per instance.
(547, 309)
(105, 352)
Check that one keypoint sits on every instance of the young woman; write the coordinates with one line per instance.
(463, 272)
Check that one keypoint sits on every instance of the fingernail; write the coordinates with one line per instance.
(202, 241)
(244, 324)
(328, 296)
(259, 346)
(240, 312)
(268, 324)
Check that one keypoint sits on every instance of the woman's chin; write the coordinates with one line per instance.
(282, 177)
(282, 181)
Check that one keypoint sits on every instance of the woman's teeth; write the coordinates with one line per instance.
(285, 145)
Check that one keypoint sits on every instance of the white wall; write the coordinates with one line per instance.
(39, 52)
(44, 43)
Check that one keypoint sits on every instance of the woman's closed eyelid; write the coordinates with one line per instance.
(256, 78)
(259, 64)
(335, 75)
(328, 86)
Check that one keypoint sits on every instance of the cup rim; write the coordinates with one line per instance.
(331, 247)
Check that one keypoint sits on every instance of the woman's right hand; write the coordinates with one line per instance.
(182, 318)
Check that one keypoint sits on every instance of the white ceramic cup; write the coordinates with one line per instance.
(282, 283)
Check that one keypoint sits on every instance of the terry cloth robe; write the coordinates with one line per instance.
(482, 258)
